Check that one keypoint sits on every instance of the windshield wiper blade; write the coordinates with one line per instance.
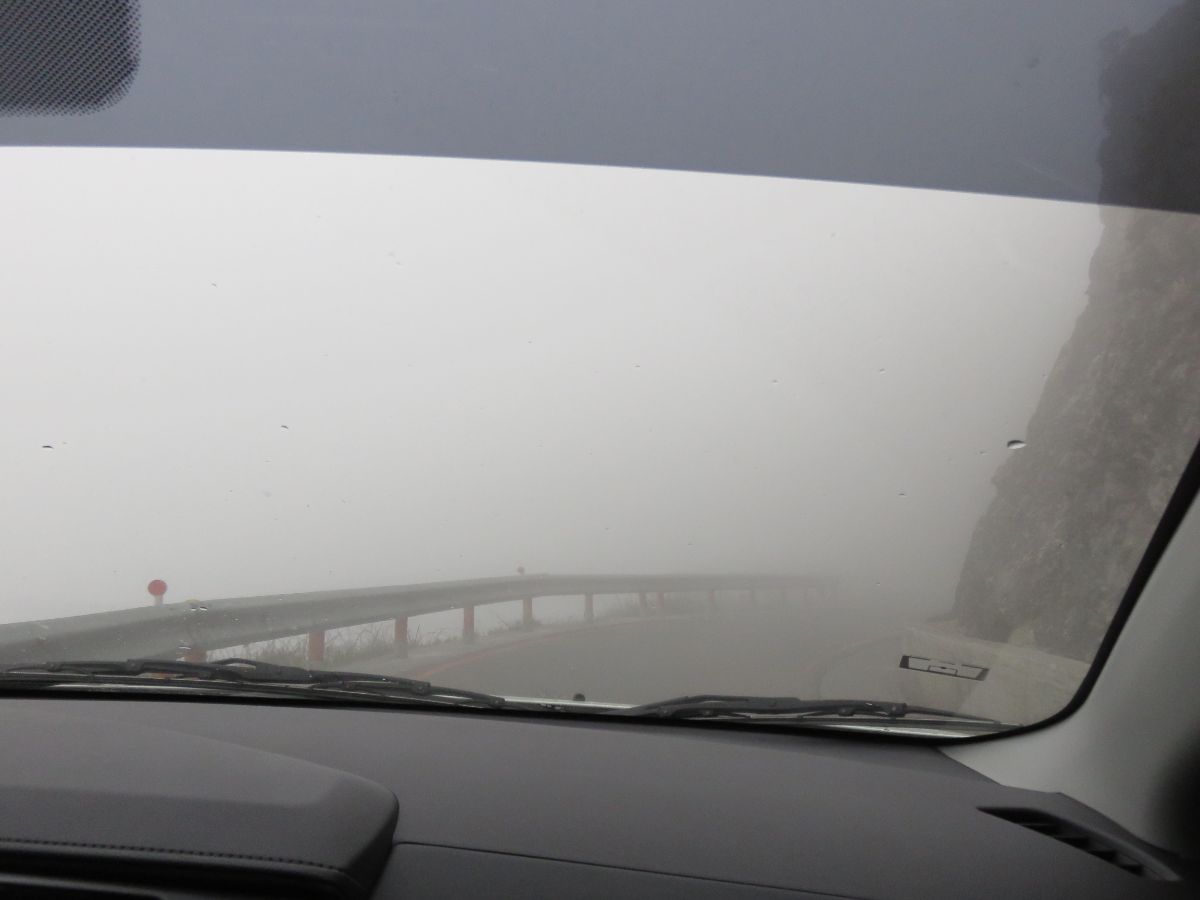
(788, 708)
(242, 675)
(225, 670)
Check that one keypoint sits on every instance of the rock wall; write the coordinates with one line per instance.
(1120, 414)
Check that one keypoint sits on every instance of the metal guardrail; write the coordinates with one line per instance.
(193, 628)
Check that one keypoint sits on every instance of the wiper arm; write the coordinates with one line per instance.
(790, 708)
(253, 676)
(242, 675)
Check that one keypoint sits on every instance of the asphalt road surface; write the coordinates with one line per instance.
(774, 651)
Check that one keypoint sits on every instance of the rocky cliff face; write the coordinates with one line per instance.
(1120, 413)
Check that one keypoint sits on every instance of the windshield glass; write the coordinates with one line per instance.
(606, 356)
(696, 433)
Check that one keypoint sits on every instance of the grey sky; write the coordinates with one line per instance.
(485, 364)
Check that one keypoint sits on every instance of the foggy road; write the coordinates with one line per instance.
(632, 660)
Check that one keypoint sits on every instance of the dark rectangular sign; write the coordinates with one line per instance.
(938, 667)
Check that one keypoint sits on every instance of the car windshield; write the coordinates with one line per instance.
(594, 434)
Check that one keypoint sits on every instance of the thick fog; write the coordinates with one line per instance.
(248, 373)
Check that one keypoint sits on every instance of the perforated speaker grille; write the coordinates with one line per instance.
(66, 57)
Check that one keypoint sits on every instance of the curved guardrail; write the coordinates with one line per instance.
(193, 628)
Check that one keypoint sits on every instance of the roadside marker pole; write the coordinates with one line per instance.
(316, 646)
(400, 635)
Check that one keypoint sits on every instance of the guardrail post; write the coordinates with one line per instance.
(468, 624)
(589, 608)
(662, 602)
(527, 621)
(400, 636)
(316, 646)
(642, 604)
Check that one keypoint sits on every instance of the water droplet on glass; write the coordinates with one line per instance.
(881, 371)
(184, 648)
(47, 446)
(774, 381)
(1015, 444)
(903, 494)
(284, 427)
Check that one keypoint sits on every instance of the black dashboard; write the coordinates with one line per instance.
(108, 798)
